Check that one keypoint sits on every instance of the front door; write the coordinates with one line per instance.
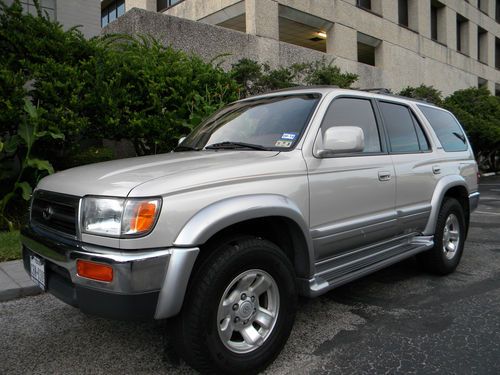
(352, 196)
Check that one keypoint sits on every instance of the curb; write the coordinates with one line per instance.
(15, 281)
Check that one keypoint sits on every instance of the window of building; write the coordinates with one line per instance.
(371, 5)
(482, 82)
(497, 89)
(438, 21)
(164, 4)
(462, 34)
(483, 6)
(112, 11)
(497, 11)
(400, 127)
(354, 112)
(497, 53)
(48, 8)
(446, 127)
(403, 12)
(367, 49)
(482, 45)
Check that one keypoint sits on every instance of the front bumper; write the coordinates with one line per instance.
(146, 283)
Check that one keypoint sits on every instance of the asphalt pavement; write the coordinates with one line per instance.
(398, 320)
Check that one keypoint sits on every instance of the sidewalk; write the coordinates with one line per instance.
(15, 282)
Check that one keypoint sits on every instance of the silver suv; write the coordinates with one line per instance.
(290, 193)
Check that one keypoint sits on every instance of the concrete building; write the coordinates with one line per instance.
(449, 44)
(69, 13)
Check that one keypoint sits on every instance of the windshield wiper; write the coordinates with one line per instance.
(459, 136)
(185, 148)
(234, 145)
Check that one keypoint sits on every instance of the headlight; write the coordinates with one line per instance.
(119, 217)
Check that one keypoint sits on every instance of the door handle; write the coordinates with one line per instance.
(436, 169)
(384, 176)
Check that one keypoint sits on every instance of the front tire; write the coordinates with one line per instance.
(239, 309)
(449, 240)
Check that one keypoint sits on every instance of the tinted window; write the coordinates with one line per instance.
(446, 128)
(354, 112)
(400, 127)
(422, 139)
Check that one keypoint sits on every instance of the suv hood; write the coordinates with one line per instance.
(119, 177)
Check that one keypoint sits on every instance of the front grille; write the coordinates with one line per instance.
(55, 211)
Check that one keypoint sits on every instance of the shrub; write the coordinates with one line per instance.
(425, 93)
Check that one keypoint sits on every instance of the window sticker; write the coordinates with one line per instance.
(282, 143)
(289, 136)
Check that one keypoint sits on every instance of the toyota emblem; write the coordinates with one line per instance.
(47, 213)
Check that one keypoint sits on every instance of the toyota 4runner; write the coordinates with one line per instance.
(290, 193)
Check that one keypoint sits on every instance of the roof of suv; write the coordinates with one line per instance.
(373, 93)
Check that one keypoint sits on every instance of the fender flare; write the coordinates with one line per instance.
(219, 215)
(443, 185)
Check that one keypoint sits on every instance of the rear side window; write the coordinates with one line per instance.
(400, 127)
(447, 129)
(354, 112)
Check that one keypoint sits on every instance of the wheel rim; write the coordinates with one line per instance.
(248, 311)
(451, 236)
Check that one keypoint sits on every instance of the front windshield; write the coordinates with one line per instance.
(274, 123)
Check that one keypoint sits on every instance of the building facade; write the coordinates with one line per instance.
(449, 44)
(70, 13)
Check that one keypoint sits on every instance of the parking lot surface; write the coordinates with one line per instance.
(398, 320)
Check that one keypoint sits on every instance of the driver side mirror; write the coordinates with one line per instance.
(341, 140)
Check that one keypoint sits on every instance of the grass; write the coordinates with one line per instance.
(10, 246)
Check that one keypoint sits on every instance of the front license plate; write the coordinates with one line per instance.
(38, 271)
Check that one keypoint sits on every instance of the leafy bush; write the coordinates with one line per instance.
(423, 92)
(479, 113)
(258, 78)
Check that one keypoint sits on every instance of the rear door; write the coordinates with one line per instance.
(416, 165)
(351, 195)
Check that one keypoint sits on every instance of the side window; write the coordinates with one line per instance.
(354, 112)
(422, 139)
(446, 128)
(400, 127)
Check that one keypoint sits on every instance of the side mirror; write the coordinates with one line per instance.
(181, 139)
(342, 139)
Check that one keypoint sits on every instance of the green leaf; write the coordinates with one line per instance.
(1, 146)
(42, 165)
(25, 189)
(11, 144)
(54, 135)
(26, 132)
(30, 108)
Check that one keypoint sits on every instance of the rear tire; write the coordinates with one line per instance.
(449, 240)
(239, 309)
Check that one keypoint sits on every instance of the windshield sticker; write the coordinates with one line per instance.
(289, 136)
(281, 143)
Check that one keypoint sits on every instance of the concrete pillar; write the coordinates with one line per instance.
(342, 41)
(491, 8)
(390, 10)
(423, 17)
(473, 46)
(491, 49)
(447, 27)
(142, 4)
(262, 18)
(413, 16)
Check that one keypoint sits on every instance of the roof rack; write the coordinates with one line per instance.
(304, 87)
(379, 90)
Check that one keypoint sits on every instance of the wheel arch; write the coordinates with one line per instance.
(273, 217)
(449, 186)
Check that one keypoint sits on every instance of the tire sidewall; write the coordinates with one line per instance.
(450, 206)
(266, 258)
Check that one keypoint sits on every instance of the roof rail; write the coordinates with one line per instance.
(384, 91)
(379, 90)
(304, 87)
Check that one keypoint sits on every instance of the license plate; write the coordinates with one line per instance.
(38, 271)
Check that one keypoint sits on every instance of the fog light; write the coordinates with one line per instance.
(94, 271)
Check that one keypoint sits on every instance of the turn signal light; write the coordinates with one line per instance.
(94, 271)
(144, 218)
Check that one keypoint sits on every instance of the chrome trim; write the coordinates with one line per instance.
(175, 283)
(134, 272)
(474, 200)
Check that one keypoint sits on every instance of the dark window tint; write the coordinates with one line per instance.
(400, 127)
(446, 128)
(354, 112)
(403, 12)
(422, 139)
